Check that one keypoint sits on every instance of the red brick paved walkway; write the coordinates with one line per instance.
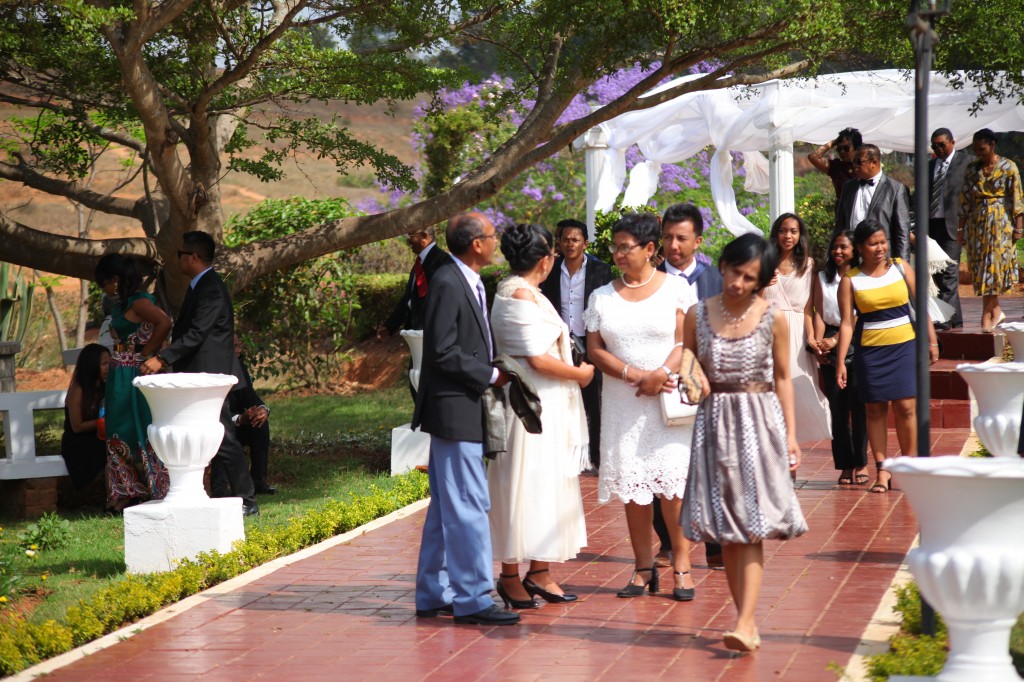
(347, 613)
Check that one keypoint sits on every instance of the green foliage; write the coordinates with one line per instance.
(818, 211)
(15, 303)
(313, 297)
(921, 655)
(9, 578)
(24, 643)
(50, 531)
(376, 296)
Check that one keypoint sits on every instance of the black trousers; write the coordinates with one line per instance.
(849, 421)
(258, 442)
(948, 281)
(229, 469)
(710, 548)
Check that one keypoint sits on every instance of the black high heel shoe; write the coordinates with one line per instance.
(632, 590)
(879, 486)
(683, 593)
(509, 602)
(538, 591)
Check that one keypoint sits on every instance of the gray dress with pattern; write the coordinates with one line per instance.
(739, 489)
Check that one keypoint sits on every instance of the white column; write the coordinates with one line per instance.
(782, 189)
(594, 143)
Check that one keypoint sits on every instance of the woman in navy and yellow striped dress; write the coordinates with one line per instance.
(884, 343)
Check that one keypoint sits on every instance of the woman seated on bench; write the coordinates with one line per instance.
(83, 449)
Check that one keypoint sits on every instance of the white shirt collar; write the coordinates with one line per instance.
(472, 277)
(583, 267)
(195, 280)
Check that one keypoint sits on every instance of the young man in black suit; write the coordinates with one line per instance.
(682, 233)
(873, 194)
(573, 278)
(204, 341)
(408, 312)
(945, 179)
(455, 569)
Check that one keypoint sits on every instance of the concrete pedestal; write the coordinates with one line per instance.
(159, 534)
(409, 449)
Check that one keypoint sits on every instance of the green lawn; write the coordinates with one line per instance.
(324, 447)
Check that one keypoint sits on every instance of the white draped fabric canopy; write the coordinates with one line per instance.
(769, 117)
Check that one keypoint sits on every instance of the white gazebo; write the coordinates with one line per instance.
(767, 119)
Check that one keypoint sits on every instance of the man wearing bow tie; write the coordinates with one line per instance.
(872, 194)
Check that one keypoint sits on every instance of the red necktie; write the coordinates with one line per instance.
(421, 278)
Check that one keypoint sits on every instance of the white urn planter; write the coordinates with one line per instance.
(998, 389)
(185, 434)
(410, 448)
(186, 430)
(414, 339)
(1015, 333)
(970, 561)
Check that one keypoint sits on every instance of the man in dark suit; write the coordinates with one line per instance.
(946, 177)
(573, 278)
(682, 233)
(204, 341)
(250, 415)
(408, 313)
(872, 194)
(454, 572)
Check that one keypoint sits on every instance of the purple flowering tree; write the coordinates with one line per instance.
(456, 135)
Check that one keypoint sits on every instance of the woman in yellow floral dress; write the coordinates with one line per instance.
(991, 214)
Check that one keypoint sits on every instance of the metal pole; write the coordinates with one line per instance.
(923, 38)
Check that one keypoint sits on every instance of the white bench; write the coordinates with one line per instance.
(21, 461)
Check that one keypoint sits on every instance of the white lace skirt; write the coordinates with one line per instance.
(640, 456)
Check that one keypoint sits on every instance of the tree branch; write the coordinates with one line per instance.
(427, 37)
(103, 203)
(71, 256)
(99, 131)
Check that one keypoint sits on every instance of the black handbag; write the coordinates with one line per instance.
(578, 349)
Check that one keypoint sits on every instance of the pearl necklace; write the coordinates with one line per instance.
(731, 319)
(637, 286)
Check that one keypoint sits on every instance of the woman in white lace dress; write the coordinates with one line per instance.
(634, 335)
(536, 508)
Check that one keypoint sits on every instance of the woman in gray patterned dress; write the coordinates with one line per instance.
(739, 492)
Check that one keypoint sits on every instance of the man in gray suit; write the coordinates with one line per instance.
(946, 177)
(873, 194)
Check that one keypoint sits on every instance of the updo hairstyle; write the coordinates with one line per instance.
(523, 246)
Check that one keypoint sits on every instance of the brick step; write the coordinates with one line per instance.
(958, 344)
(946, 414)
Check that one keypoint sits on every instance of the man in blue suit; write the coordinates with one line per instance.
(682, 232)
(455, 567)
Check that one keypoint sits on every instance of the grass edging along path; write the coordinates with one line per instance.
(24, 643)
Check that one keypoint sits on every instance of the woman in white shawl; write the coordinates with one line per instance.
(536, 508)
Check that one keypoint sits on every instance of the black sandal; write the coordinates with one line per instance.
(880, 487)
(845, 477)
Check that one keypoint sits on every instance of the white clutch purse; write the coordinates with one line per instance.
(674, 411)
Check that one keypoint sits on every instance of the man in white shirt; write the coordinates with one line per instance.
(946, 177)
(872, 194)
(573, 278)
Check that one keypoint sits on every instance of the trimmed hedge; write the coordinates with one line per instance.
(377, 296)
(23, 643)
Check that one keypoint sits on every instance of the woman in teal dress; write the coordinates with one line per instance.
(134, 472)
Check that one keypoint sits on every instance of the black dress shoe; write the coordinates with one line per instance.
(250, 509)
(492, 615)
(447, 609)
(264, 489)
